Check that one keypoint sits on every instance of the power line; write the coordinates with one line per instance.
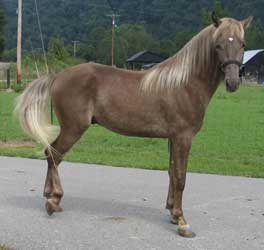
(45, 57)
(34, 56)
(41, 37)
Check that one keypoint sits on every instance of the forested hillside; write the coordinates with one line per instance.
(74, 19)
(162, 20)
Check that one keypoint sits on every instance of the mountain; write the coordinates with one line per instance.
(74, 20)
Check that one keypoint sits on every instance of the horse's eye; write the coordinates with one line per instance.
(243, 45)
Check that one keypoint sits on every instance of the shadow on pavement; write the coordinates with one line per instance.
(105, 210)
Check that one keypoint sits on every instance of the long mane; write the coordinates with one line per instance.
(193, 58)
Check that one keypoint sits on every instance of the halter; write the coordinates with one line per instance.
(236, 62)
(228, 62)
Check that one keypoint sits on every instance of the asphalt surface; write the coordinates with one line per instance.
(108, 208)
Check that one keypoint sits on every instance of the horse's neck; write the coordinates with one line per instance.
(206, 81)
(212, 76)
(194, 66)
(209, 75)
(207, 66)
(209, 85)
(215, 76)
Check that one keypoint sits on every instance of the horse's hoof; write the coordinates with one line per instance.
(184, 231)
(51, 207)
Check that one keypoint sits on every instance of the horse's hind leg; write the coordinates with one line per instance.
(48, 185)
(53, 189)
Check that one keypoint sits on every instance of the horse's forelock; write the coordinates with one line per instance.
(230, 26)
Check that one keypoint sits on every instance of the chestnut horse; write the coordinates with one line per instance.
(166, 101)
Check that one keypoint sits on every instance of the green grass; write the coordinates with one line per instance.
(4, 247)
(29, 69)
(231, 141)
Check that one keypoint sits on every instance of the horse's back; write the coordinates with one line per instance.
(89, 73)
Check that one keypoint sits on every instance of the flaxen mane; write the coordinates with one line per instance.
(193, 58)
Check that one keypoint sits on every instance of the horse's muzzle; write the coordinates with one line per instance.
(232, 84)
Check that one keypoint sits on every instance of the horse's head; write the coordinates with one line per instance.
(229, 46)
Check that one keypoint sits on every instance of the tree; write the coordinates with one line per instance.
(129, 39)
(255, 36)
(73, 20)
(2, 28)
(135, 38)
(171, 46)
(218, 9)
(57, 49)
(98, 38)
(166, 47)
(181, 38)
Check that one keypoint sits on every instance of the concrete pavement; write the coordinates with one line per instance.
(108, 208)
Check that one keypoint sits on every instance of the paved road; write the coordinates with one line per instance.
(107, 208)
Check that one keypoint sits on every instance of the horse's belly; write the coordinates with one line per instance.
(133, 125)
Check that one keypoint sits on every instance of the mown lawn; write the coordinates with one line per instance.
(231, 141)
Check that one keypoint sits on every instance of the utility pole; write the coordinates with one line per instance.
(75, 42)
(113, 37)
(19, 32)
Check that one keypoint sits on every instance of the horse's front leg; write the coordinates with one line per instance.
(170, 197)
(180, 148)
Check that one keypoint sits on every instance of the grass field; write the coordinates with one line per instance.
(231, 141)
(4, 247)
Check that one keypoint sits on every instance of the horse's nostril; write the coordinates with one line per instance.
(233, 81)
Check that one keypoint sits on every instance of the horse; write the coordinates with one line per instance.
(167, 101)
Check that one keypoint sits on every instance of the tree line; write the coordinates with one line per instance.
(95, 44)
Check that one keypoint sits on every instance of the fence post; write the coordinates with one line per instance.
(8, 78)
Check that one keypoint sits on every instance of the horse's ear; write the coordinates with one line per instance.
(246, 23)
(216, 20)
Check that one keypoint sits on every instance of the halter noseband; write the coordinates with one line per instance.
(228, 62)
(236, 62)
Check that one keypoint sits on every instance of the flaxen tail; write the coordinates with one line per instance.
(32, 110)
